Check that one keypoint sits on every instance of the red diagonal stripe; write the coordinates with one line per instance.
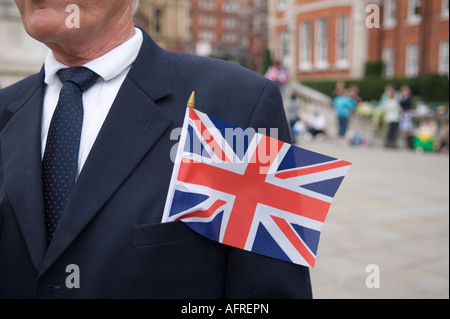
(204, 213)
(295, 240)
(207, 136)
(312, 170)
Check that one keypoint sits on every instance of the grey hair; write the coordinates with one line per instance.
(135, 5)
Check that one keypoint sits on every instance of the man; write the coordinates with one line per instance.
(106, 240)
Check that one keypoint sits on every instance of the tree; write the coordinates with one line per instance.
(267, 60)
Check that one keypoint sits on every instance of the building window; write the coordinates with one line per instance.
(207, 36)
(414, 16)
(281, 4)
(207, 5)
(443, 58)
(389, 62)
(445, 9)
(230, 6)
(158, 20)
(282, 46)
(258, 23)
(229, 37)
(342, 61)
(389, 15)
(229, 23)
(321, 44)
(207, 20)
(305, 61)
(412, 61)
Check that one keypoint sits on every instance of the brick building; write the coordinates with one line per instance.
(331, 38)
(228, 29)
(220, 28)
(319, 38)
(413, 39)
(257, 34)
(167, 21)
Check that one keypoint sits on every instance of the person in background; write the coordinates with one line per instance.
(293, 109)
(273, 73)
(405, 98)
(343, 105)
(406, 118)
(283, 79)
(389, 91)
(355, 94)
(444, 144)
(392, 111)
(278, 74)
(339, 89)
(425, 139)
(317, 123)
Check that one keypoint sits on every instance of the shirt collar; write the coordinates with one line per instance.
(107, 66)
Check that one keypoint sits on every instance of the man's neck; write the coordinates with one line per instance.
(86, 48)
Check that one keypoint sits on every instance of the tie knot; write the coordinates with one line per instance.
(81, 76)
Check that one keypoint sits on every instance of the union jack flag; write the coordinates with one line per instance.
(251, 191)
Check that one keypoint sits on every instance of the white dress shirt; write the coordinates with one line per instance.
(112, 68)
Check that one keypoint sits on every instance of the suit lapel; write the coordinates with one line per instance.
(21, 151)
(134, 124)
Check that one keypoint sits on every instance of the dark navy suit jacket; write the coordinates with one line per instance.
(111, 227)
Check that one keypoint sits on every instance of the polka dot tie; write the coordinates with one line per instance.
(59, 166)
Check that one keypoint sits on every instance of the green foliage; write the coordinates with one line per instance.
(267, 60)
(374, 69)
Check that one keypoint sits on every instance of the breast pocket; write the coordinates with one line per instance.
(159, 234)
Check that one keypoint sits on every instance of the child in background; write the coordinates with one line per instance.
(426, 136)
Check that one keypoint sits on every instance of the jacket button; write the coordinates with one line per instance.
(54, 287)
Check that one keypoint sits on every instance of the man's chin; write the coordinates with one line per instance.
(43, 24)
(46, 34)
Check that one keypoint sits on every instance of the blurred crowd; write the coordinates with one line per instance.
(418, 126)
(395, 116)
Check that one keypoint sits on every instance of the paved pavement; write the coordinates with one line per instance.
(391, 211)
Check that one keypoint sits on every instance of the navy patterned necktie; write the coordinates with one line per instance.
(60, 163)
